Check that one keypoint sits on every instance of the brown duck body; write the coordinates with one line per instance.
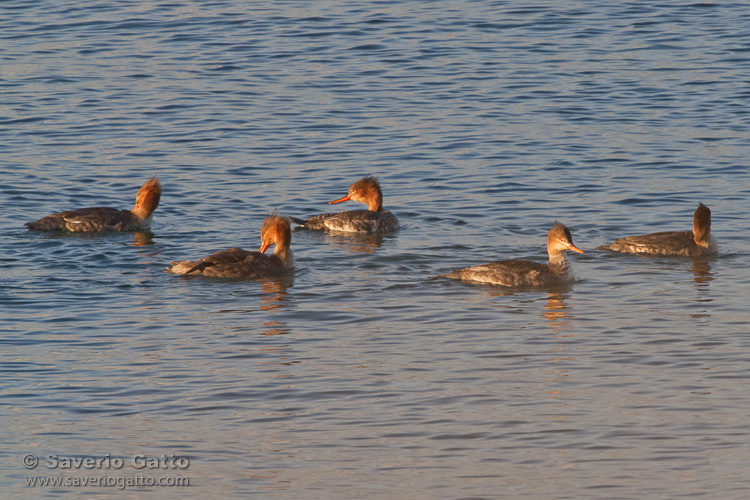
(695, 243)
(527, 273)
(89, 220)
(232, 263)
(238, 263)
(106, 218)
(373, 220)
(353, 221)
(516, 273)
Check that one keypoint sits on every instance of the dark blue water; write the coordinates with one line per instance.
(357, 376)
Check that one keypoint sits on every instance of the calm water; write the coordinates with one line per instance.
(358, 376)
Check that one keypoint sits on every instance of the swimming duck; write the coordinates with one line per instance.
(524, 272)
(373, 220)
(106, 218)
(693, 243)
(239, 263)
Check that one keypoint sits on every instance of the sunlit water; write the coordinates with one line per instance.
(358, 376)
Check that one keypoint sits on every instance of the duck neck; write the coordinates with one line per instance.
(558, 263)
(702, 236)
(140, 212)
(702, 226)
(284, 253)
(375, 204)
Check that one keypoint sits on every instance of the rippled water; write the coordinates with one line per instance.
(358, 376)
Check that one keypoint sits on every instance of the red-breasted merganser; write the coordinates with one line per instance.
(373, 220)
(106, 218)
(239, 263)
(693, 243)
(524, 272)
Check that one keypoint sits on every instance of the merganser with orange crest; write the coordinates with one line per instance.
(695, 243)
(106, 218)
(239, 263)
(373, 220)
(527, 273)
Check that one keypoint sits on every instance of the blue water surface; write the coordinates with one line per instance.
(357, 375)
